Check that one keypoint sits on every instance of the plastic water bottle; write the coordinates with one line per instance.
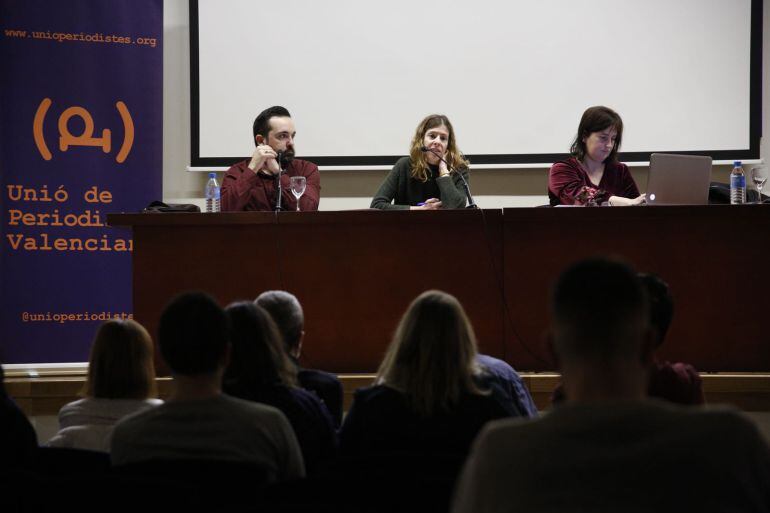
(212, 194)
(737, 184)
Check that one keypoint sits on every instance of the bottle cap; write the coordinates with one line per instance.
(212, 175)
(737, 163)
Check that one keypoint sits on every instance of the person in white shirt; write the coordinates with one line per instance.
(121, 381)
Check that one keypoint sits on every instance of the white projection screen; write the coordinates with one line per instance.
(513, 76)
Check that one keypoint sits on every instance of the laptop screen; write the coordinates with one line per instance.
(678, 179)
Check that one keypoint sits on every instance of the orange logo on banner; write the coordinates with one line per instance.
(67, 139)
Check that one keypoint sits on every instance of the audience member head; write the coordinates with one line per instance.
(192, 335)
(258, 357)
(448, 149)
(431, 358)
(661, 304)
(598, 309)
(596, 120)
(120, 366)
(287, 314)
(600, 327)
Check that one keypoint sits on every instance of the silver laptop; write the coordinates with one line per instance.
(678, 179)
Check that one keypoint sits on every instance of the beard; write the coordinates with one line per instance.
(286, 157)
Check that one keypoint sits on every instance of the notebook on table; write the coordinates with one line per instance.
(678, 179)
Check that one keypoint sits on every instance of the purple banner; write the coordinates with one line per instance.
(81, 118)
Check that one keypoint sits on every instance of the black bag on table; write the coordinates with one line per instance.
(160, 207)
(719, 194)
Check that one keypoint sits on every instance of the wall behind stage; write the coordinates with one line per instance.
(349, 189)
(493, 188)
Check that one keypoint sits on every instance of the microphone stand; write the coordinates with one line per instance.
(278, 186)
(471, 203)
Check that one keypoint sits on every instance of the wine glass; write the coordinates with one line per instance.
(298, 184)
(759, 177)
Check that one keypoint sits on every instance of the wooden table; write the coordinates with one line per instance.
(355, 272)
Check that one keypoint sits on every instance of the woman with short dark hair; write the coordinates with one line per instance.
(592, 174)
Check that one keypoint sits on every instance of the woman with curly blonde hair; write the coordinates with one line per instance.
(429, 178)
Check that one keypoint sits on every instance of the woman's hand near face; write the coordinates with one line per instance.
(443, 170)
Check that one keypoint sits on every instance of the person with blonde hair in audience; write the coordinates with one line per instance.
(429, 400)
(260, 371)
(610, 447)
(121, 381)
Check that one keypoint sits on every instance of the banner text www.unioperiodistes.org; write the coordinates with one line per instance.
(80, 37)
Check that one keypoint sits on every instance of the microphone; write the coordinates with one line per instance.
(278, 187)
(471, 203)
